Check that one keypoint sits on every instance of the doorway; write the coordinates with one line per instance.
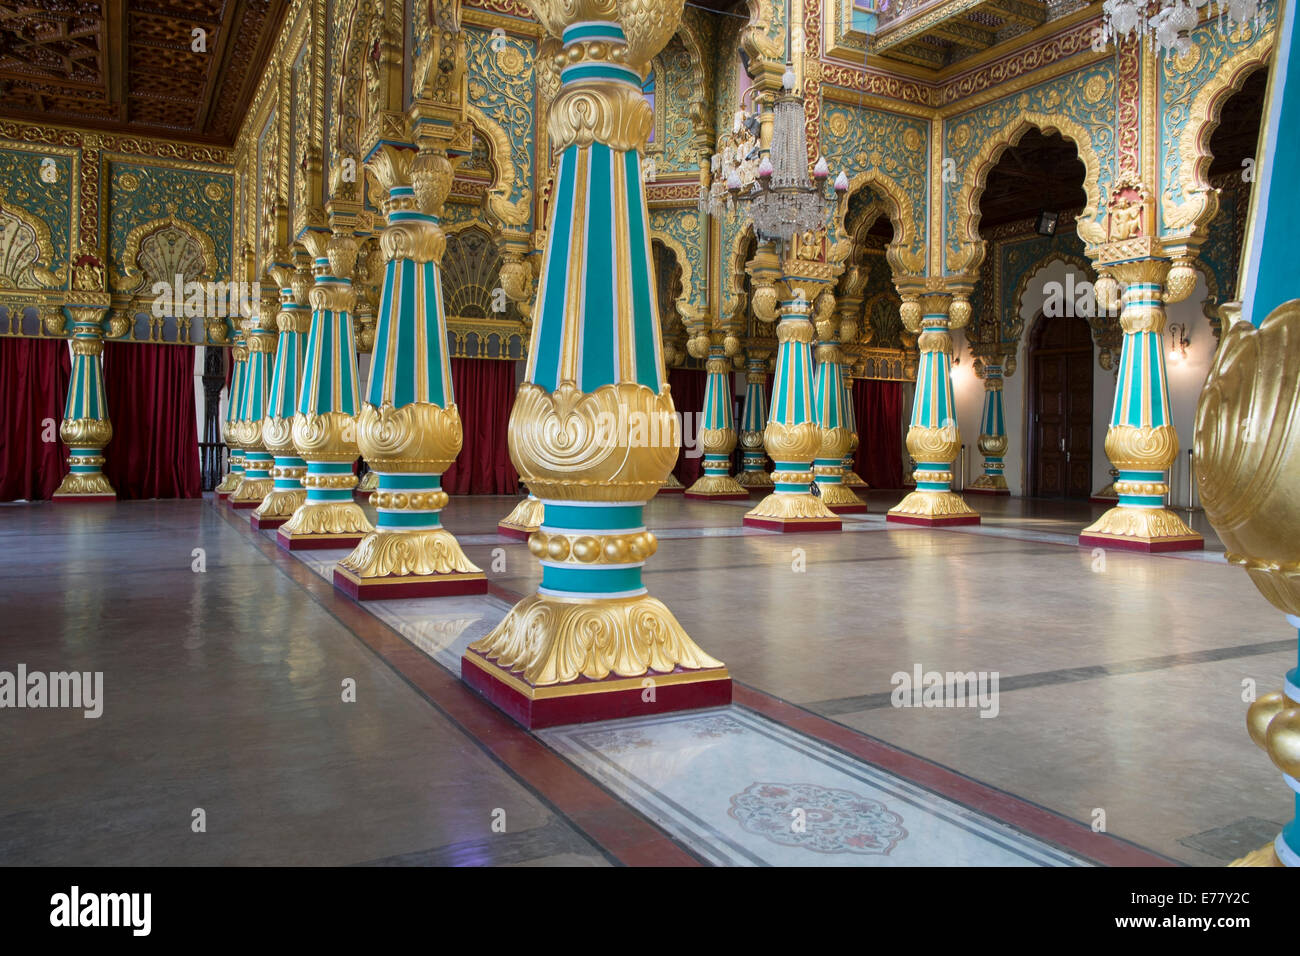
(1060, 400)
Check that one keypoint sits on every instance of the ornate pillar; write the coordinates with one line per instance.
(593, 430)
(324, 424)
(293, 324)
(409, 428)
(1141, 440)
(851, 478)
(369, 264)
(836, 435)
(792, 436)
(933, 439)
(256, 482)
(239, 356)
(754, 476)
(993, 427)
(85, 427)
(518, 283)
(717, 433)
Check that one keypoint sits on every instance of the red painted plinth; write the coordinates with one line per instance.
(509, 532)
(1102, 501)
(941, 522)
(316, 542)
(81, 499)
(244, 505)
(789, 527)
(671, 491)
(1147, 545)
(848, 509)
(262, 524)
(736, 496)
(408, 586)
(585, 701)
(221, 495)
(989, 492)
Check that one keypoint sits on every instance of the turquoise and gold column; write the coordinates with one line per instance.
(1247, 435)
(409, 428)
(518, 281)
(293, 323)
(324, 424)
(933, 439)
(593, 430)
(85, 427)
(256, 482)
(851, 478)
(836, 435)
(993, 434)
(754, 476)
(792, 436)
(1141, 441)
(717, 433)
(235, 464)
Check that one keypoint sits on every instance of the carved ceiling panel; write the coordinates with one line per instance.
(136, 66)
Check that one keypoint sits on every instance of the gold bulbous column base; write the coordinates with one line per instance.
(277, 508)
(555, 660)
(228, 484)
(523, 520)
(851, 477)
(754, 480)
(1141, 529)
(840, 498)
(424, 563)
(990, 485)
(934, 508)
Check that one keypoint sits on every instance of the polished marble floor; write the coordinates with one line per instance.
(1119, 700)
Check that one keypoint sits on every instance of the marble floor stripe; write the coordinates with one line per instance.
(853, 705)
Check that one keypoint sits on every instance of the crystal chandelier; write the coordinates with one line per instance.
(784, 199)
(1168, 23)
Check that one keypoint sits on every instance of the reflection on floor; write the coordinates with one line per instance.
(1119, 704)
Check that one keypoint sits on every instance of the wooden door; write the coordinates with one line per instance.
(1060, 394)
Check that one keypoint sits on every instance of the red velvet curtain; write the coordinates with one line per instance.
(485, 394)
(879, 410)
(150, 393)
(34, 377)
(687, 386)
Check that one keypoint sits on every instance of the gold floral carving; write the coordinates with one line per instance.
(553, 640)
(1133, 448)
(421, 437)
(1247, 443)
(95, 484)
(791, 507)
(792, 442)
(86, 432)
(571, 445)
(933, 445)
(252, 489)
(277, 436)
(280, 504)
(328, 517)
(327, 437)
(1144, 523)
(526, 516)
(717, 441)
(933, 504)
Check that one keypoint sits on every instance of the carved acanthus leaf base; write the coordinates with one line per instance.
(854, 480)
(369, 482)
(990, 483)
(328, 517)
(387, 553)
(791, 507)
(933, 504)
(754, 479)
(671, 481)
(81, 485)
(527, 516)
(716, 485)
(228, 483)
(280, 504)
(1107, 493)
(252, 490)
(840, 496)
(1143, 524)
(1264, 856)
(554, 640)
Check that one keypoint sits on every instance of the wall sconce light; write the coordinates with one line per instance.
(1178, 342)
(1047, 223)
